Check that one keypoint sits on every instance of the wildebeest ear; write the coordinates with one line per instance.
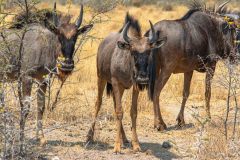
(85, 29)
(123, 45)
(160, 42)
(52, 27)
(147, 34)
(55, 30)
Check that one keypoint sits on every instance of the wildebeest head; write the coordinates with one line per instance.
(237, 36)
(67, 34)
(231, 32)
(140, 49)
(230, 26)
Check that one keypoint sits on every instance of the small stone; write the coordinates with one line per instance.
(55, 158)
(166, 145)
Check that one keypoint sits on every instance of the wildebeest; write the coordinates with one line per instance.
(31, 50)
(123, 60)
(195, 42)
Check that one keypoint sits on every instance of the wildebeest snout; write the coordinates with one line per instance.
(141, 80)
(141, 68)
(142, 77)
(142, 74)
(67, 65)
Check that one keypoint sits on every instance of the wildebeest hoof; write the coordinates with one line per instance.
(181, 122)
(160, 127)
(89, 140)
(208, 116)
(136, 147)
(90, 136)
(42, 142)
(117, 148)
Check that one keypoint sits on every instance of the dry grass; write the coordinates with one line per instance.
(79, 95)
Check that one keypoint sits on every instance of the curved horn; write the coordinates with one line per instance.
(219, 9)
(55, 19)
(125, 32)
(80, 18)
(153, 38)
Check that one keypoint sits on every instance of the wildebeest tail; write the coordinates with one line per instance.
(152, 74)
(109, 89)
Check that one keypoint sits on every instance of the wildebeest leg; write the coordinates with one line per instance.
(159, 84)
(26, 93)
(186, 90)
(101, 86)
(118, 92)
(124, 137)
(133, 113)
(208, 80)
(40, 110)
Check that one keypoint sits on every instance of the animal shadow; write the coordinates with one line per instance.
(176, 127)
(158, 151)
(96, 145)
(63, 143)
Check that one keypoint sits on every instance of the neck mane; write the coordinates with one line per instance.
(197, 6)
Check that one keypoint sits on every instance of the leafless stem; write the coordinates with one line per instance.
(20, 96)
(27, 10)
(235, 114)
(57, 95)
(228, 102)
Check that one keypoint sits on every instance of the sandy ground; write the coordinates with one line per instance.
(68, 141)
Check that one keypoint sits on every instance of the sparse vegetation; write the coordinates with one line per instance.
(67, 125)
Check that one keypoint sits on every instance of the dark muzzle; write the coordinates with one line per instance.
(66, 65)
(142, 78)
